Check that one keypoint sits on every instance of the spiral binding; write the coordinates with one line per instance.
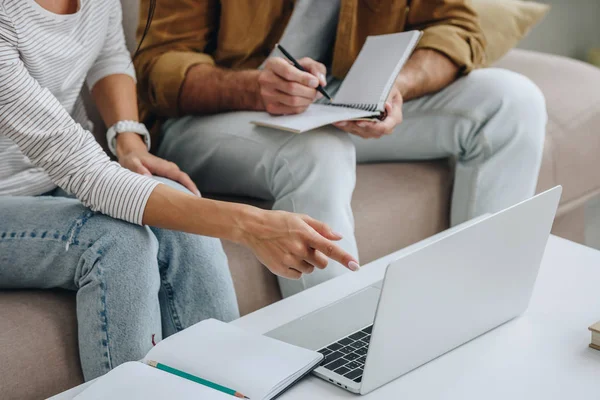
(365, 107)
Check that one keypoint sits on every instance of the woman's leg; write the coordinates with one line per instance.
(195, 279)
(50, 242)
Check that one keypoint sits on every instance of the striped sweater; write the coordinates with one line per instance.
(45, 59)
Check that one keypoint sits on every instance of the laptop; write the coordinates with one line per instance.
(433, 299)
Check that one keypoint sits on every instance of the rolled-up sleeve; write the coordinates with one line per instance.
(114, 58)
(450, 27)
(180, 33)
(44, 131)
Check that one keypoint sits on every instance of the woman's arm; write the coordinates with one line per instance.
(288, 244)
(112, 83)
(116, 100)
(284, 242)
(45, 132)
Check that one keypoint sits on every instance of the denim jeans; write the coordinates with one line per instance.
(132, 282)
(492, 122)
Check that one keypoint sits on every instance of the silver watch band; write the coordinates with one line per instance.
(126, 126)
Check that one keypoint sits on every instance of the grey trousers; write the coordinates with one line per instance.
(492, 122)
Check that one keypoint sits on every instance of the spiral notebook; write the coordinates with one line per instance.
(364, 91)
(258, 366)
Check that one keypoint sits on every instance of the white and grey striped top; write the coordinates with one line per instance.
(45, 142)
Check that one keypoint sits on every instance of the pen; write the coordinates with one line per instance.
(196, 379)
(293, 61)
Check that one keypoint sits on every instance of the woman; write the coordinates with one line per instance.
(133, 282)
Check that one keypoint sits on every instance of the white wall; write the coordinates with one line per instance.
(571, 28)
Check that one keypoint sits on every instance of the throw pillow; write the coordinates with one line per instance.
(506, 22)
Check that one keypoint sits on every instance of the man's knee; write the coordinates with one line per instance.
(318, 167)
(327, 150)
(512, 95)
(513, 110)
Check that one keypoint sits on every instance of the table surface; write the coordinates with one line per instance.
(543, 354)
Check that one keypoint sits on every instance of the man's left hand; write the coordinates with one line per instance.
(377, 129)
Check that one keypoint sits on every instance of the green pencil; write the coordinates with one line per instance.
(196, 379)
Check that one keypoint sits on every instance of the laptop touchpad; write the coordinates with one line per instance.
(331, 323)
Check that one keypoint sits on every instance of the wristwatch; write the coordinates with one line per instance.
(126, 126)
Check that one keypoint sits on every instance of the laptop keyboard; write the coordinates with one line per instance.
(347, 356)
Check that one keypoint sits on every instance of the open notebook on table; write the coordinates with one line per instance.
(364, 91)
(255, 365)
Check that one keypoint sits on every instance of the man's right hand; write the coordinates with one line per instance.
(285, 89)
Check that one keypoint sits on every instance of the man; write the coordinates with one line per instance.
(206, 70)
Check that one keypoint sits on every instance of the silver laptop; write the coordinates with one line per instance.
(441, 295)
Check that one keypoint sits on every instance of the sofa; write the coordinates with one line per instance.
(395, 204)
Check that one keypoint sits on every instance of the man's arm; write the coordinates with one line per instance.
(452, 44)
(208, 89)
(280, 88)
(181, 31)
(427, 71)
(176, 77)
(450, 27)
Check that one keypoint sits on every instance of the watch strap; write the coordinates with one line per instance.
(126, 126)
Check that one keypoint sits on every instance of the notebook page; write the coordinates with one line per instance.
(136, 381)
(315, 116)
(379, 62)
(229, 356)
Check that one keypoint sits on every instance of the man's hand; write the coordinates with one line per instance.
(377, 129)
(287, 90)
(133, 155)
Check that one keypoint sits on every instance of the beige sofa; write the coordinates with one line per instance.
(395, 205)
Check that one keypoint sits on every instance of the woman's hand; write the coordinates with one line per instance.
(290, 245)
(133, 155)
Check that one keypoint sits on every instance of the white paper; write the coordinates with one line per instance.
(254, 365)
(368, 83)
(376, 68)
(315, 116)
(137, 381)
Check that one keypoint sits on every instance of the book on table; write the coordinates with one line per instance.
(252, 364)
(595, 329)
(363, 92)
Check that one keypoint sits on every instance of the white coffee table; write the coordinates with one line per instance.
(542, 355)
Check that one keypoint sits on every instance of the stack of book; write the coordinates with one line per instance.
(595, 344)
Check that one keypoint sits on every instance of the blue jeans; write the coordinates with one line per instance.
(132, 282)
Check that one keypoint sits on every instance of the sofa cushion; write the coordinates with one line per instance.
(398, 204)
(573, 139)
(38, 344)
